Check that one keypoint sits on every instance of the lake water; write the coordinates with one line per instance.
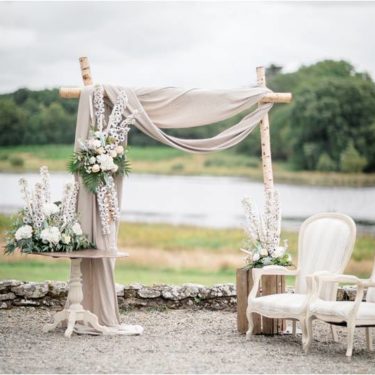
(210, 201)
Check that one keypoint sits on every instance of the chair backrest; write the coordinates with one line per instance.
(370, 296)
(325, 243)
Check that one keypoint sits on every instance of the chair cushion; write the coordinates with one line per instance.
(284, 303)
(342, 309)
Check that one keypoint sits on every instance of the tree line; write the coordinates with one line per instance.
(330, 125)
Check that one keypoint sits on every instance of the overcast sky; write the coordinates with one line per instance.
(199, 44)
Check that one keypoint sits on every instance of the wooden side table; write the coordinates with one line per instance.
(75, 312)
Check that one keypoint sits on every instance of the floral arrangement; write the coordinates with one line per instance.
(103, 156)
(263, 233)
(43, 225)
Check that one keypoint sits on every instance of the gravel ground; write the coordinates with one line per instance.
(177, 341)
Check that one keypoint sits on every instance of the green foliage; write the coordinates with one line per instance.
(351, 160)
(36, 117)
(16, 161)
(325, 163)
(327, 114)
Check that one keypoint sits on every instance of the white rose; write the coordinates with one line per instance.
(50, 209)
(100, 150)
(51, 235)
(90, 144)
(96, 143)
(120, 150)
(95, 168)
(106, 162)
(263, 252)
(279, 252)
(76, 228)
(65, 239)
(24, 232)
(115, 168)
(113, 153)
(256, 257)
(92, 160)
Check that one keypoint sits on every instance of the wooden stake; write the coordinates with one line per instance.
(265, 138)
(85, 71)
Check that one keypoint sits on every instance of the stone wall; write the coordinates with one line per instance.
(53, 294)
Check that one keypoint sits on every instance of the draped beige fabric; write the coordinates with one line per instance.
(174, 108)
(97, 274)
(158, 108)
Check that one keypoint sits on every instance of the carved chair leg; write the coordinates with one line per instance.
(303, 324)
(351, 328)
(309, 334)
(335, 336)
(370, 346)
(294, 327)
(250, 320)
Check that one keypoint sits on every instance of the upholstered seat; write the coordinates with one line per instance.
(366, 310)
(293, 303)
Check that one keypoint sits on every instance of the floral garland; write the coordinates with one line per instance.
(43, 226)
(102, 156)
(263, 233)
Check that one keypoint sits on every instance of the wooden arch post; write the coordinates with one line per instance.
(244, 281)
(265, 138)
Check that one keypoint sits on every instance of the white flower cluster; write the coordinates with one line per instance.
(106, 163)
(49, 209)
(24, 232)
(47, 226)
(50, 235)
(263, 231)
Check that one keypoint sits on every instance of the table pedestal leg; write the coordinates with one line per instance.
(75, 312)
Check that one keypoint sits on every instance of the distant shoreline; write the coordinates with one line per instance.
(161, 160)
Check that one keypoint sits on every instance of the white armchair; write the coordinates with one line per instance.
(325, 243)
(351, 314)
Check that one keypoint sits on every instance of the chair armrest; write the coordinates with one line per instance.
(350, 279)
(368, 283)
(268, 270)
(336, 278)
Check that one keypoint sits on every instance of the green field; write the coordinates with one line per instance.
(165, 160)
(161, 253)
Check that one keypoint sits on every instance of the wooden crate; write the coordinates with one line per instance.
(269, 284)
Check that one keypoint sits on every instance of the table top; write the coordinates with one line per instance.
(88, 253)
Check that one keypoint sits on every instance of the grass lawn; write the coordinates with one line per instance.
(161, 253)
(165, 160)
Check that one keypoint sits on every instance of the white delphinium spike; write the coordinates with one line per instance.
(45, 184)
(103, 206)
(71, 204)
(251, 225)
(68, 203)
(263, 229)
(99, 106)
(37, 205)
(28, 216)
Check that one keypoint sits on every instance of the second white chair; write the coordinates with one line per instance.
(351, 314)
